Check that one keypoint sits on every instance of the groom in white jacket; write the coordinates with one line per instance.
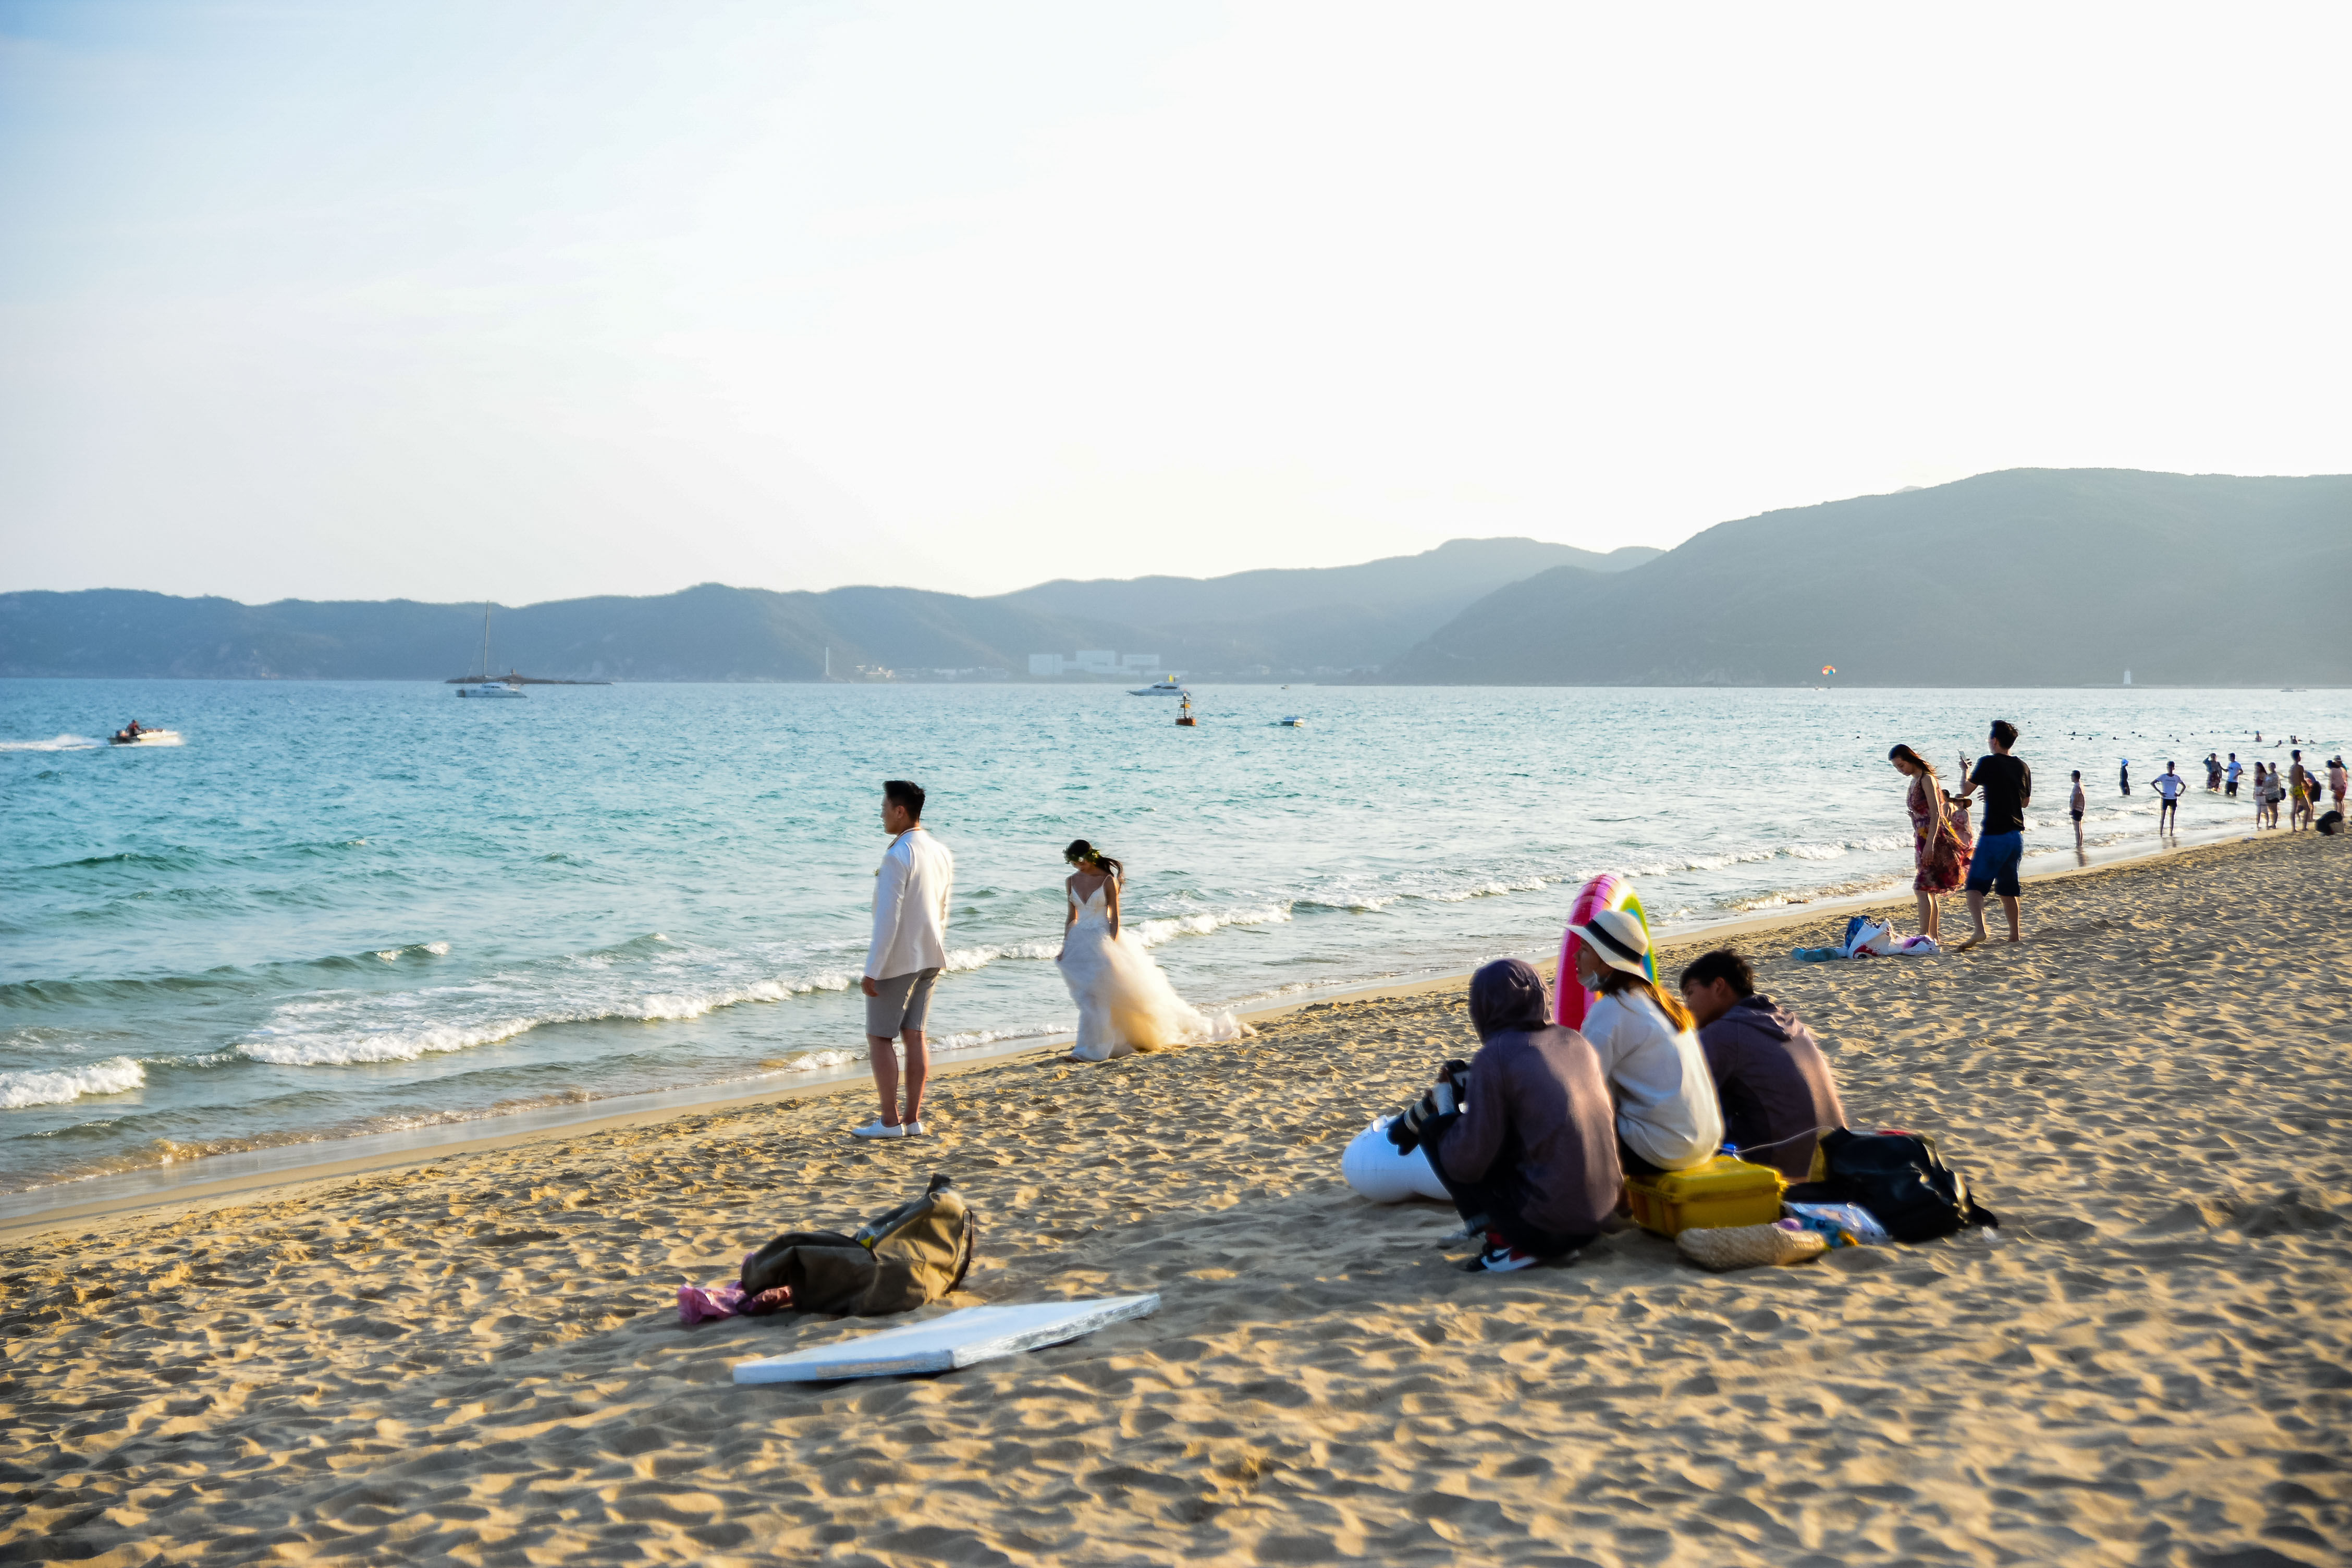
(910, 949)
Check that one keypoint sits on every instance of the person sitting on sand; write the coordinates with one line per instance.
(1668, 1118)
(1531, 1158)
(1776, 1088)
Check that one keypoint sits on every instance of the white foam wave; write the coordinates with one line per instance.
(348, 1050)
(1485, 890)
(54, 744)
(971, 1039)
(304, 1042)
(818, 1061)
(1716, 862)
(964, 958)
(62, 1086)
(392, 955)
(1153, 933)
(1815, 851)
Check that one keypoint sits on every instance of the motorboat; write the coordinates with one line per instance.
(1290, 721)
(1157, 688)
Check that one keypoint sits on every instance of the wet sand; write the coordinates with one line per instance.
(478, 1360)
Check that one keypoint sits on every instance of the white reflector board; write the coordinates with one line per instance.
(943, 1345)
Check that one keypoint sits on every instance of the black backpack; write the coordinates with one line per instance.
(1900, 1179)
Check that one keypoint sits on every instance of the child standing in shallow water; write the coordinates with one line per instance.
(2075, 804)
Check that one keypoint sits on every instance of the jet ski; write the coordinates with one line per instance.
(133, 735)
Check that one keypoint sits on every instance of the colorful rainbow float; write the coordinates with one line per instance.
(1606, 891)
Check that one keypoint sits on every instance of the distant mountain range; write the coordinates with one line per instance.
(2028, 577)
(1309, 622)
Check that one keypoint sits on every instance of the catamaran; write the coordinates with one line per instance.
(486, 684)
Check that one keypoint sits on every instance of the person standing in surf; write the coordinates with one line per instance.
(2170, 784)
(910, 948)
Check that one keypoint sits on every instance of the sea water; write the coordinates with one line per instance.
(337, 910)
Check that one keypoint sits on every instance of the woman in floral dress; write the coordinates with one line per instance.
(1939, 838)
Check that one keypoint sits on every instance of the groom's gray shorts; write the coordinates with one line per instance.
(900, 1002)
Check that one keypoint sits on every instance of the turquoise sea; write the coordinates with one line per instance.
(342, 909)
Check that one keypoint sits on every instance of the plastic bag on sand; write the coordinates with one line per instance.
(1751, 1245)
(697, 1302)
(1855, 1223)
(1373, 1167)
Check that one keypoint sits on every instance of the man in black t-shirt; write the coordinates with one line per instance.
(2007, 785)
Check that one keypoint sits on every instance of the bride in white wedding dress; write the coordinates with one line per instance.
(1124, 1002)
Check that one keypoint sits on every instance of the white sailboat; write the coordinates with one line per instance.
(484, 685)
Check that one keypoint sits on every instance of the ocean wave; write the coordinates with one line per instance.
(1153, 933)
(303, 1043)
(960, 959)
(54, 744)
(62, 1086)
(973, 1040)
(1722, 861)
(286, 974)
(812, 1061)
(1789, 896)
(1487, 889)
(348, 1050)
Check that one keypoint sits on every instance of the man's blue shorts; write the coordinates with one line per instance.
(1993, 867)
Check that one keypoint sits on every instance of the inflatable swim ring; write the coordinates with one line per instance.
(1606, 891)
(1373, 1167)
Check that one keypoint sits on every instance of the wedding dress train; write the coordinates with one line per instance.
(1124, 1002)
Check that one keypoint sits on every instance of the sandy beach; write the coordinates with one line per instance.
(478, 1360)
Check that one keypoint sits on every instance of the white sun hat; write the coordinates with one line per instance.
(1617, 940)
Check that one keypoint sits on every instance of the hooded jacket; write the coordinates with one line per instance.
(1774, 1083)
(1537, 1132)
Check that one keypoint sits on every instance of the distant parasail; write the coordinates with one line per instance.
(1829, 670)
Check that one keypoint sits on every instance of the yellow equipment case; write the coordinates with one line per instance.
(1723, 1191)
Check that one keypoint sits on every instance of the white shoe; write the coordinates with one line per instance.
(913, 1129)
(878, 1128)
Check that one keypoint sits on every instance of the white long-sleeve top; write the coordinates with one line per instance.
(911, 890)
(1666, 1108)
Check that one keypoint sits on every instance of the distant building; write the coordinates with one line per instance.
(1094, 661)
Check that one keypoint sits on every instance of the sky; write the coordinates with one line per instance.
(531, 300)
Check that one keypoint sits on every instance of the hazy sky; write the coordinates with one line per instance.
(527, 300)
